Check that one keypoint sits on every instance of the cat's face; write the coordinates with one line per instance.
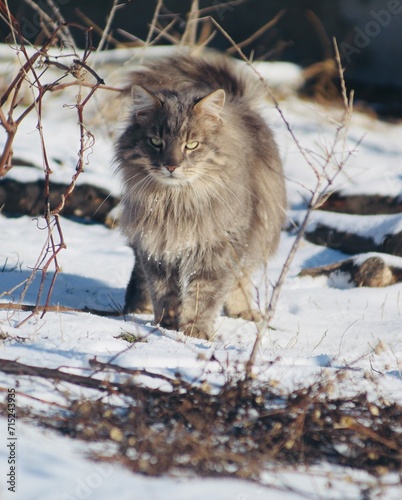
(171, 140)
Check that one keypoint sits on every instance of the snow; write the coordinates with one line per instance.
(321, 327)
(374, 227)
(285, 76)
(69, 476)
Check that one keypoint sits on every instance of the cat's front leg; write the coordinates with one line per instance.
(163, 283)
(238, 303)
(202, 301)
(137, 298)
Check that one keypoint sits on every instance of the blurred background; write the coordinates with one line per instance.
(368, 33)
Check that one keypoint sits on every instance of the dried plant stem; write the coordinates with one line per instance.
(10, 124)
(54, 243)
(97, 29)
(269, 312)
(153, 22)
(105, 33)
(190, 34)
(10, 306)
(164, 33)
(223, 5)
(52, 25)
(324, 181)
(55, 249)
(267, 26)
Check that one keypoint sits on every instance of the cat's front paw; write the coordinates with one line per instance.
(137, 308)
(197, 331)
(169, 323)
(247, 314)
(251, 315)
(167, 318)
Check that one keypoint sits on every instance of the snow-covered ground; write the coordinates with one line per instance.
(321, 327)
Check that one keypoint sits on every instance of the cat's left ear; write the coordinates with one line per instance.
(212, 104)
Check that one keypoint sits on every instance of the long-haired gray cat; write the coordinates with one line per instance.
(204, 196)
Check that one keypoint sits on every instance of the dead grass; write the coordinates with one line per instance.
(241, 430)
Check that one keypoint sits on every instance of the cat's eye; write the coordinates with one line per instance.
(156, 142)
(192, 145)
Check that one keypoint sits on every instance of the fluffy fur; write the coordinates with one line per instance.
(204, 196)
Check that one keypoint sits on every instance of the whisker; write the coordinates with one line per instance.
(136, 190)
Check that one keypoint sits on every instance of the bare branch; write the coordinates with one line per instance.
(190, 33)
(153, 22)
(29, 73)
(323, 183)
(105, 33)
(267, 26)
(65, 34)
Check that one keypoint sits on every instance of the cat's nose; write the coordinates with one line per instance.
(171, 168)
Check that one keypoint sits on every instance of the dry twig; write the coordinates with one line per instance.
(324, 181)
(238, 431)
(28, 73)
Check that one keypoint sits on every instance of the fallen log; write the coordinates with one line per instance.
(353, 243)
(11, 306)
(12, 367)
(127, 388)
(28, 198)
(362, 204)
(372, 272)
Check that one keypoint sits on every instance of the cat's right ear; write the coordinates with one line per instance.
(144, 101)
(211, 105)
